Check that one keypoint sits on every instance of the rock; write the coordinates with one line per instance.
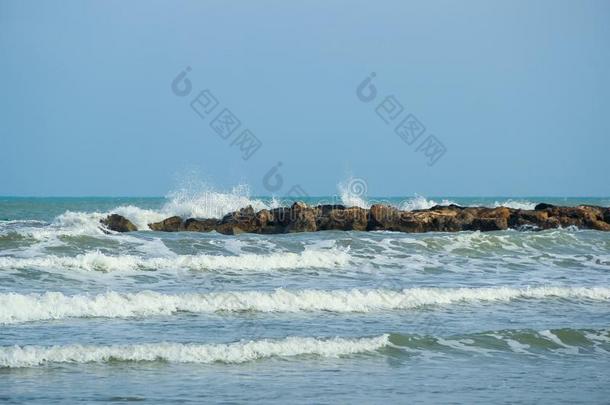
(349, 219)
(383, 217)
(543, 206)
(228, 229)
(302, 218)
(200, 225)
(171, 224)
(118, 223)
(489, 224)
(526, 219)
(244, 220)
(606, 215)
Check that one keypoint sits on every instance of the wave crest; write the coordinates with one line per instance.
(239, 352)
(17, 308)
(97, 261)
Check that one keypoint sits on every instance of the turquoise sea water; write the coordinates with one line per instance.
(327, 317)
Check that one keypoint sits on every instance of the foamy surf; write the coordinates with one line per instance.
(97, 261)
(204, 202)
(239, 352)
(18, 308)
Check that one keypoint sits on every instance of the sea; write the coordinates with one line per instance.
(86, 316)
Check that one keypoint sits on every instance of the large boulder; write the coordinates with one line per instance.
(543, 206)
(243, 220)
(528, 219)
(118, 223)
(200, 225)
(349, 219)
(302, 218)
(171, 224)
(383, 217)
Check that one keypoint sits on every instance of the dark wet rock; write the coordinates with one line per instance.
(528, 219)
(200, 225)
(118, 223)
(382, 217)
(348, 219)
(302, 218)
(543, 206)
(171, 224)
(606, 215)
(488, 224)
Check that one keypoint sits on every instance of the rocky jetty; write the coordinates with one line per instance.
(452, 218)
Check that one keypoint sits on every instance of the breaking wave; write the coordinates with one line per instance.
(517, 204)
(16, 308)
(521, 342)
(421, 203)
(201, 202)
(239, 352)
(97, 261)
(566, 341)
(352, 193)
(205, 202)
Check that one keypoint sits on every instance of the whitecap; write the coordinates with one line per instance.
(238, 352)
(91, 261)
(17, 308)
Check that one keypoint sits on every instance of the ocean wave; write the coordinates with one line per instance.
(566, 341)
(97, 261)
(205, 202)
(17, 308)
(239, 352)
(352, 193)
(517, 204)
(200, 202)
(421, 203)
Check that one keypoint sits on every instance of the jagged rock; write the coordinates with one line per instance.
(302, 218)
(489, 224)
(348, 219)
(528, 219)
(244, 220)
(118, 223)
(171, 224)
(200, 225)
(382, 216)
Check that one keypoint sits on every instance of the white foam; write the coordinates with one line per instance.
(329, 258)
(353, 193)
(67, 224)
(205, 202)
(201, 202)
(139, 216)
(465, 345)
(517, 204)
(555, 339)
(421, 203)
(239, 352)
(17, 308)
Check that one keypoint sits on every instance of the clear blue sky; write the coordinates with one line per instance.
(517, 91)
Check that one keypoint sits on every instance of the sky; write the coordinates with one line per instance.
(510, 98)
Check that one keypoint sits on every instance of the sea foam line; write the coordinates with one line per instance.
(238, 352)
(91, 261)
(18, 308)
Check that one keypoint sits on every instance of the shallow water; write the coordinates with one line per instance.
(314, 317)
